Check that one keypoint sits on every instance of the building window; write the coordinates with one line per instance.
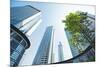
(16, 36)
(15, 55)
(23, 43)
(19, 48)
(14, 44)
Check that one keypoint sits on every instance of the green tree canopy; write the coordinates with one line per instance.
(73, 21)
(76, 40)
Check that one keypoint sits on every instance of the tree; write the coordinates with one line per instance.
(77, 41)
(80, 33)
(73, 22)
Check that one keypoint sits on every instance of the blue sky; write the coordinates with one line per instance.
(52, 14)
(89, 2)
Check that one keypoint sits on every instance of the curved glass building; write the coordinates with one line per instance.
(24, 20)
(19, 43)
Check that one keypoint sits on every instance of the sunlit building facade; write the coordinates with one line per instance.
(60, 52)
(43, 54)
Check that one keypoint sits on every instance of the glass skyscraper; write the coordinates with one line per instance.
(60, 52)
(24, 20)
(19, 43)
(42, 56)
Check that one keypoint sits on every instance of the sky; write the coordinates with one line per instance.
(52, 14)
(89, 2)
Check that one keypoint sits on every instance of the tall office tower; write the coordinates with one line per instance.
(60, 52)
(24, 20)
(89, 32)
(51, 51)
(43, 53)
(89, 35)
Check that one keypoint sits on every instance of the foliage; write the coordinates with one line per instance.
(76, 41)
(73, 23)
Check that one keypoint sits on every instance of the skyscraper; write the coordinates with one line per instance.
(89, 32)
(18, 44)
(60, 52)
(43, 53)
(24, 20)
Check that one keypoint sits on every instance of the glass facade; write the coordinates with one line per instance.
(20, 13)
(43, 50)
(18, 44)
(60, 52)
(23, 19)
